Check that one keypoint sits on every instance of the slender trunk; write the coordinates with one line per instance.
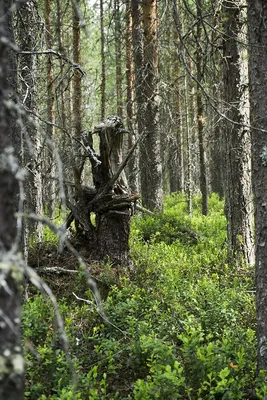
(150, 159)
(118, 34)
(138, 53)
(12, 363)
(103, 63)
(132, 169)
(59, 33)
(50, 92)
(200, 112)
(76, 98)
(188, 125)
(257, 34)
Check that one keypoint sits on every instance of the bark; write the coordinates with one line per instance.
(176, 151)
(237, 144)
(31, 145)
(257, 34)
(103, 63)
(132, 170)
(50, 104)
(11, 359)
(200, 112)
(150, 159)
(109, 200)
(76, 98)
(59, 32)
(118, 33)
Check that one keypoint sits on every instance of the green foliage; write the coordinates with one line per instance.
(182, 327)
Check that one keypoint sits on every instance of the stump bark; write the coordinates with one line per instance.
(109, 199)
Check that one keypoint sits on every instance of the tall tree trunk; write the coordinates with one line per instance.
(150, 159)
(76, 98)
(12, 370)
(237, 144)
(176, 151)
(50, 92)
(103, 63)
(31, 137)
(59, 32)
(257, 34)
(132, 168)
(138, 53)
(118, 33)
(200, 112)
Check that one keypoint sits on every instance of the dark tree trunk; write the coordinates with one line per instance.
(257, 34)
(12, 365)
(109, 200)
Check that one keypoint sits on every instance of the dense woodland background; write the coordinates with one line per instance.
(133, 173)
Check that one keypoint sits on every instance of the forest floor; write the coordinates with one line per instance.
(181, 326)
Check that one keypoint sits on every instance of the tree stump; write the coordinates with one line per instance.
(109, 199)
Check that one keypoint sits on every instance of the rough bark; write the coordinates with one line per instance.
(150, 159)
(118, 43)
(50, 114)
(176, 151)
(11, 359)
(76, 98)
(200, 112)
(132, 168)
(31, 138)
(103, 63)
(238, 191)
(109, 200)
(257, 35)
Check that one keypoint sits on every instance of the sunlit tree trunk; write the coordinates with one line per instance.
(150, 160)
(257, 35)
(237, 142)
(12, 364)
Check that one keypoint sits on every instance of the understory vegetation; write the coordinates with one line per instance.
(181, 325)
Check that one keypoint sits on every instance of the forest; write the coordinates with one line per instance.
(133, 205)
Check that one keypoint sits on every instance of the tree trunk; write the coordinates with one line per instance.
(257, 34)
(12, 364)
(76, 100)
(118, 34)
(31, 137)
(200, 112)
(103, 63)
(237, 144)
(150, 159)
(50, 129)
(132, 170)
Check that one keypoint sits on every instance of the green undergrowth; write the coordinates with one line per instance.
(181, 327)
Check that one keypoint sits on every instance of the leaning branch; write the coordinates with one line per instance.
(58, 55)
